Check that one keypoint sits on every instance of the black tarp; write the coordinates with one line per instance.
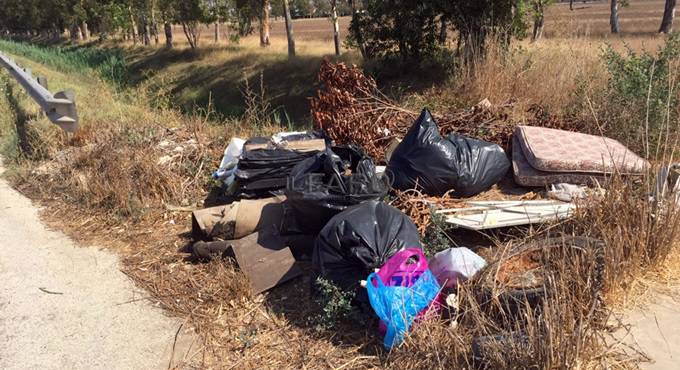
(426, 161)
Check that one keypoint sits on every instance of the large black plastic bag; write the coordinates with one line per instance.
(324, 185)
(426, 161)
(262, 171)
(359, 240)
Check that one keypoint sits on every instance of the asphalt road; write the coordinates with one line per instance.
(64, 306)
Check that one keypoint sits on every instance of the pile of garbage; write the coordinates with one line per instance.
(302, 196)
(351, 109)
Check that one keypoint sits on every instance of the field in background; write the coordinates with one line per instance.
(215, 74)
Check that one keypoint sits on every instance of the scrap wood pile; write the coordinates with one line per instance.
(330, 211)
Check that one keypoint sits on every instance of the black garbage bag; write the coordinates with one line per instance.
(324, 185)
(262, 171)
(426, 161)
(359, 240)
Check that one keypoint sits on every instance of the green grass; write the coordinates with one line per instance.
(107, 63)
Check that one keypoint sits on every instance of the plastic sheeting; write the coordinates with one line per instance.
(426, 161)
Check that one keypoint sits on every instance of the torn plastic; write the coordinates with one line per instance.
(426, 161)
(227, 168)
(328, 183)
(359, 240)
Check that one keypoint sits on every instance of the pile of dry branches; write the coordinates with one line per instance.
(352, 110)
(418, 206)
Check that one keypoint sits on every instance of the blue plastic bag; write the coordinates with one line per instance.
(398, 306)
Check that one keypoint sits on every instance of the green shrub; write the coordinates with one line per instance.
(436, 239)
(641, 91)
(336, 304)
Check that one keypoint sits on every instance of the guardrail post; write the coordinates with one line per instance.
(60, 108)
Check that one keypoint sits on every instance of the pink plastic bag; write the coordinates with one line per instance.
(404, 269)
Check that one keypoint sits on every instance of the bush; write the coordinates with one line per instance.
(406, 28)
(336, 304)
(641, 91)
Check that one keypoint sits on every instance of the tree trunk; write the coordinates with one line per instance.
(668, 15)
(168, 35)
(336, 27)
(84, 30)
(614, 16)
(443, 32)
(76, 33)
(133, 26)
(217, 32)
(192, 33)
(154, 23)
(264, 24)
(146, 30)
(289, 29)
(359, 36)
(538, 21)
(538, 28)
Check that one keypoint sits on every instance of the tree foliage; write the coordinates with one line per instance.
(412, 29)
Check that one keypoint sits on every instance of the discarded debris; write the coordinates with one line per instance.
(359, 240)
(326, 184)
(398, 302)
(453, 265)
(227, 168)
(237, 219)
(481, 215)
(543, 156)
(266, 163)
(263, 257)
(426, 161)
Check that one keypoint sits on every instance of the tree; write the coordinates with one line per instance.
(264, 23)
(191, 14)
(336, 27)
(289, 29)
(404, 27)
(614, 16)
(477, 20)
(668, 15)
(538, 13)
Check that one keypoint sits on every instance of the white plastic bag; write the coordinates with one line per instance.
(230, 160)
(455, 264)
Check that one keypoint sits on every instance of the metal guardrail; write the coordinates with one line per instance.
(60, 108)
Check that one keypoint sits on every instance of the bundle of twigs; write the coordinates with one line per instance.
(419, 207)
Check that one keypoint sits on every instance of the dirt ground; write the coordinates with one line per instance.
(656, 330)
(67, 307)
